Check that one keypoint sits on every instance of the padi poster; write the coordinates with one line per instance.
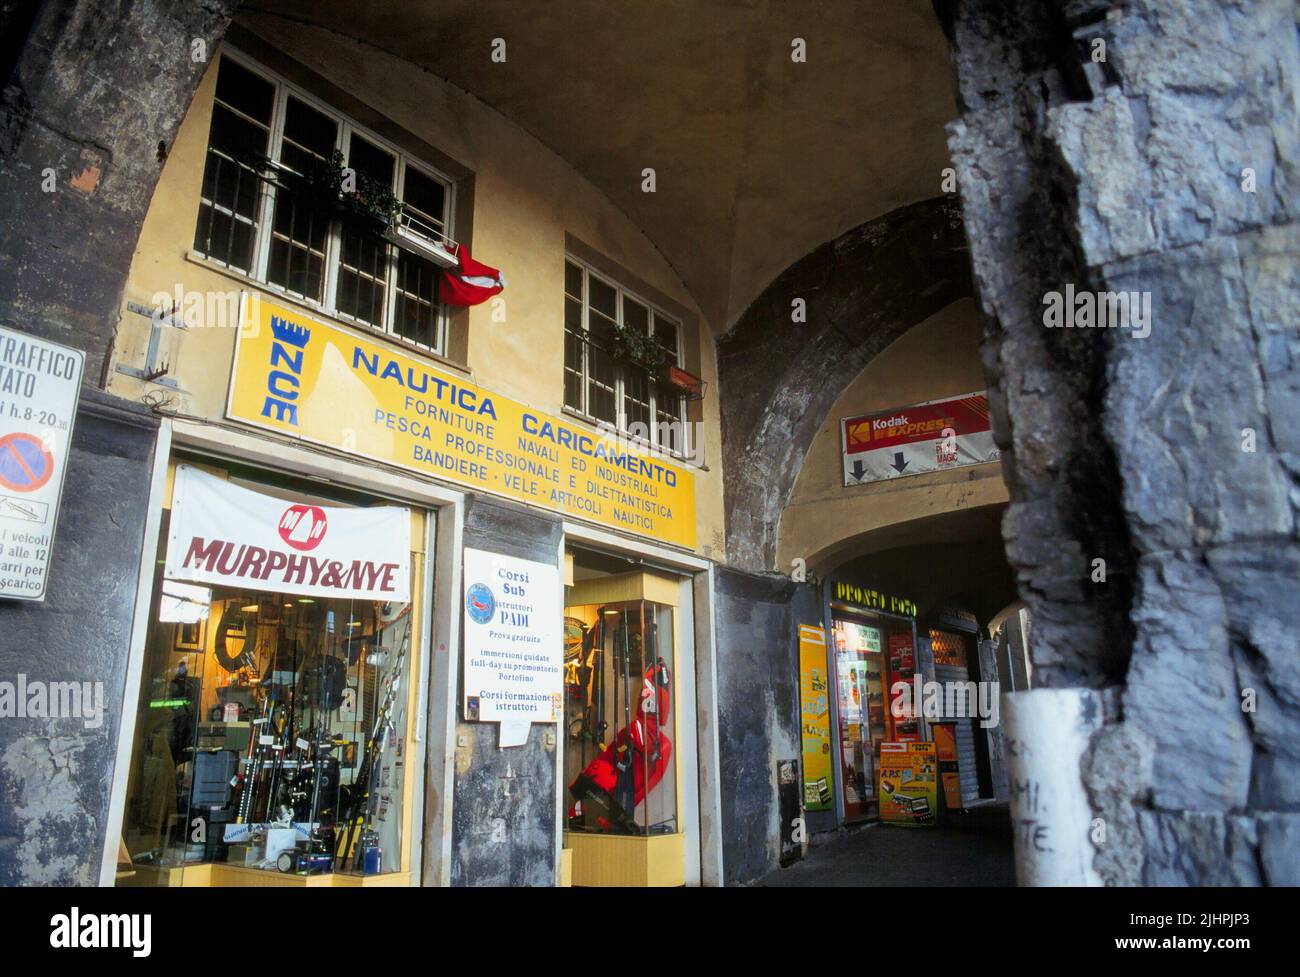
(514, 649)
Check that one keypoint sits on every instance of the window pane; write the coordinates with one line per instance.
(636, 402)
(600, 329)
(224, 238)
(241, 89)
(670, 419)
(371, 161)
(295, 268)
(603, 297)
(573, 315)
(600, 386)
(666, 336)
(572, 279)
(230, 184)
(236, 136)
(312, 131)
(415, 314)
(362, 280)
(573, 369)
(427, 196)
(635, 315)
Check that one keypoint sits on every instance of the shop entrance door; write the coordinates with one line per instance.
(859, 674)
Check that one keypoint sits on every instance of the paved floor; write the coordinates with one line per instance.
(972, 849)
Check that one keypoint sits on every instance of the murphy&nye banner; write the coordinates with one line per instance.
(306, 379)
(225, 534)
(935, 435)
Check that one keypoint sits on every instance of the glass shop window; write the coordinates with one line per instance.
(620, 760)
(270, 735)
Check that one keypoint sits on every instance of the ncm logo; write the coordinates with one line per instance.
(303, 526)
(286, 369)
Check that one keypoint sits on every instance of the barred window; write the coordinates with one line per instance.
(265, 141)
(601, 388)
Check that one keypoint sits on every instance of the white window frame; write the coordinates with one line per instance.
(345, 128)
(654, 310)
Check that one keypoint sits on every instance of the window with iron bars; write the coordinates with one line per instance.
(259, 216)
(632, 398)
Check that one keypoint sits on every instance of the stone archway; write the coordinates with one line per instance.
(779, 376)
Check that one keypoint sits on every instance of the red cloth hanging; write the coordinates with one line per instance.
(470, 283)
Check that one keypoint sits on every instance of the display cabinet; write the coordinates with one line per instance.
(623, 825)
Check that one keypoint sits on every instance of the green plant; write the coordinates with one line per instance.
(636, 346)
(370, 198)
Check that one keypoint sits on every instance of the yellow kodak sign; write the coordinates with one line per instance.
(324, 384)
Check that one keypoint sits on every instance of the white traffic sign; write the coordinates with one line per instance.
(40, 384)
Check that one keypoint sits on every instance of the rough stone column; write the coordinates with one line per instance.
(94, 92)
(1168, 168)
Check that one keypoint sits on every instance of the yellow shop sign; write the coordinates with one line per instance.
(327, 385)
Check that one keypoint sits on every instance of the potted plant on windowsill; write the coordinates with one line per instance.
(362, 198)
(629, 345)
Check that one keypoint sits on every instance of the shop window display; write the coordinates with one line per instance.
(270, 734)
(860, 675)
(619, 757)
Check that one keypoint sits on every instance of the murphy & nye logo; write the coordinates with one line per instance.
(284, 380)
(303, 526)
(99, 931)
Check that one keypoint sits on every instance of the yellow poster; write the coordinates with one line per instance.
(818, 792)
(909, 779)
(945, 740)
(324, 384)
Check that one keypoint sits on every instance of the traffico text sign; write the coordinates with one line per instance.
(40, 383)
(327, 385)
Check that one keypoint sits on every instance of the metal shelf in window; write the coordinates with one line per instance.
(423, 240)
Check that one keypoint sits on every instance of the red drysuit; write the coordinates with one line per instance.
(651, 749)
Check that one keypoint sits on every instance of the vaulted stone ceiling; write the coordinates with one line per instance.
(758, 159)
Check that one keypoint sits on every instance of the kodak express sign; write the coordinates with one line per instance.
(327, 385)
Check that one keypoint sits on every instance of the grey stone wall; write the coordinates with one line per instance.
(778, 378)
(758, 714)
(93, 95)
(56, 774)
(1134, 173)
(503, 801)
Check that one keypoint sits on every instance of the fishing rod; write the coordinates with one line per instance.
(358, 819)
(624, 784)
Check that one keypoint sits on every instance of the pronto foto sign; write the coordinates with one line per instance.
(231, 536)
(320, 383)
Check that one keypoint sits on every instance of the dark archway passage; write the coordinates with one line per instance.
(779, 377)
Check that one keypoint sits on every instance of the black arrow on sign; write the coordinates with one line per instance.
(899, 464)
(858, 470)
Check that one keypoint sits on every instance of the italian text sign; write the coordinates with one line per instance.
(40, 383)
(328, 385)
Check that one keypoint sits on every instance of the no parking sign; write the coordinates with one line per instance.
(40, 383)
